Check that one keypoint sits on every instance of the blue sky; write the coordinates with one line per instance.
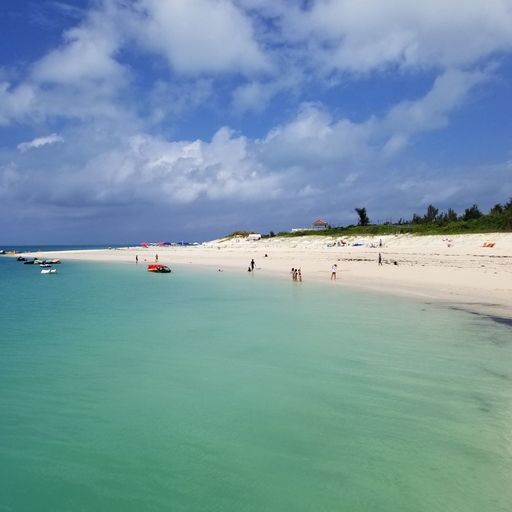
(129, 120)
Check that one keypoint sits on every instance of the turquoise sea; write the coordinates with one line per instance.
(126, 391)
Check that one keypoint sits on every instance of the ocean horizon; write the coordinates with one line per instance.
(121, 390)
(60, 247)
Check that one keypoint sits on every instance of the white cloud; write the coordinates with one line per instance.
(363, 35)
(16, 102)
(430, 112)
(148, 168)
(40, 141)
(200, 36)
(87, 53)
(314, 139)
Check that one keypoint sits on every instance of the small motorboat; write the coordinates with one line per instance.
(158, 268)
(52, 262)
(45, 265)
(21, 258)
(48, 271)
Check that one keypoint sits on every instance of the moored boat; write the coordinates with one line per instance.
(48, 271)
(158, 268)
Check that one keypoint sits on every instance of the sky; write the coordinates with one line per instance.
(131, 120)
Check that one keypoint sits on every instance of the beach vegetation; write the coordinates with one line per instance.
(240, 234)
(432, 222)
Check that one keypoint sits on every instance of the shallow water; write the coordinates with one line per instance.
(126, 391)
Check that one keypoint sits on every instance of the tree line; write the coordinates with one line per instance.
(499, 217)
(499, 214)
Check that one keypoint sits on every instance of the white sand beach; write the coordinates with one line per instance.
(472, 272)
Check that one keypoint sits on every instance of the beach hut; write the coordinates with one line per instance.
(252, 237)
(319, 225)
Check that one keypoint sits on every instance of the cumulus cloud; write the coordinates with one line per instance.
(86, 53)
(145, 168)
(361, 35)
(301, 158)
(315, 139)
(40, 141)
(200, 36)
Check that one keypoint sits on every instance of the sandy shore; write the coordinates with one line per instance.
(458, 271)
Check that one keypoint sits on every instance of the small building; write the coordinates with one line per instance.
(319, 225)
(252, 237)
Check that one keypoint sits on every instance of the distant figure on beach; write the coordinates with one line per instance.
(156, 257)
(249, 269)
(380, 242)
(266, 255)
(299, 275)
(380, 258)
(334, 269)
(252, 264)
(136, 258)
(293, 273)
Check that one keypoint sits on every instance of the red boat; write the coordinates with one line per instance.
(158, 268)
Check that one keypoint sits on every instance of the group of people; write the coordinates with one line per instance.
(296, 274)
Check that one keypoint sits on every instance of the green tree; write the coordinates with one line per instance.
(451, 215)
(472, 213)
(363, 217)
(496, 210)
(431, 214)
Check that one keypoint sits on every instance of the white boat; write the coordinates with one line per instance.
(45, 265)
(49, 271)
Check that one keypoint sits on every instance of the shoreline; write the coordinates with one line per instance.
(456, 272)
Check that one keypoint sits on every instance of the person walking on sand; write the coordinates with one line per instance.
(156, 257)
(334, 269)
(380, 258)
(136, 258)
(252, 264)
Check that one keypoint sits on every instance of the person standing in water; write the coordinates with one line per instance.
(334, 269)
(136, 258)
(252, 264)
